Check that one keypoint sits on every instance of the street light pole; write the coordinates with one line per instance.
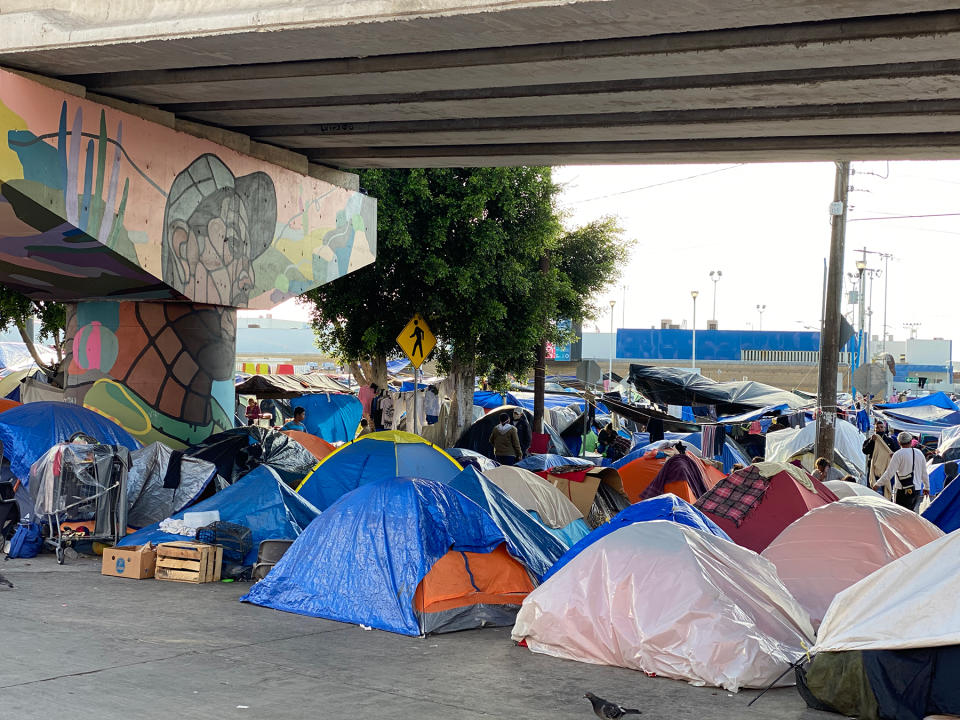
(760, 309)
(612, 346)
(693, 354)
(715, 275)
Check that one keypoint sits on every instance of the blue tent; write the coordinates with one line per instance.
(944, 511)
(333, 417)
(937, 399)
(373, 457)
(28, 431)
(731, 453)
(535, 463)
(259, 500)
(489, 400)
(662, 507)
(528, 540)
(469, 457)
(937, 476)
(363, 559)
(569, 534)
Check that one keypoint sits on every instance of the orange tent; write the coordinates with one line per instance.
(464, 586)
(8, 404)
(317, 446)
(638, 474)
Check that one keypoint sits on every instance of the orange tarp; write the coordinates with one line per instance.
(497, 579)
(637, 475)
(317, 446)
(7, 404)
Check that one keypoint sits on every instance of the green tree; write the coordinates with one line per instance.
(464, 247)
(16, 310)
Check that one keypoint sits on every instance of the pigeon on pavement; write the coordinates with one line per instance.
(608, 710)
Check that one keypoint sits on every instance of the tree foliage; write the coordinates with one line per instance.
(16, 309)
(465, 247)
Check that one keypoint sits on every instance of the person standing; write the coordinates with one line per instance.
(505, 442)
(366, 394)
(523, 431)
(252, 411)
(863, 419)
(299, 416)
(431, 404)
(908, 470)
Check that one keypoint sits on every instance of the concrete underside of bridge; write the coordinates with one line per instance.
(398, 83)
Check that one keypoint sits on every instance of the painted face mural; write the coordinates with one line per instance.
(215, 226)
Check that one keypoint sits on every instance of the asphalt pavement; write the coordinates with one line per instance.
(75, 644)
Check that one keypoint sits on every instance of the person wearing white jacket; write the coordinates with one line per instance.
(908, 469)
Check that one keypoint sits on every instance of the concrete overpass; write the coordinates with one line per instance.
(404, 83)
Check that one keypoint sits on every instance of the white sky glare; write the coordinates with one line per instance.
(766, 227)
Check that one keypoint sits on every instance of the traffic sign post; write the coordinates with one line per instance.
(417, 342)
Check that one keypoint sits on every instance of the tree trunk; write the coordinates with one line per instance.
(31, 348)
(461, 379)
(539, 384)
(369, 371)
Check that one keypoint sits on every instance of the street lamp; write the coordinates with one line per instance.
(612, 340)
(693, 355)
(715, 275)
(760, 309)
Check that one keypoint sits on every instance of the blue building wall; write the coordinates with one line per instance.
(721, 345)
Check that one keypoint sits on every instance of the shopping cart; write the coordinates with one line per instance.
(79, 492)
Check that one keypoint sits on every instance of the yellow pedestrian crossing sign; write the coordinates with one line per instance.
(416, 340)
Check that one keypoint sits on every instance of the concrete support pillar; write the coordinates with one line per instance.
(163, 371)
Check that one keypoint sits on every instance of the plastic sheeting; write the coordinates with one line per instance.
(469, 457)
(699, 609)
(834, 546)
(570, 534)
(732, 453)
(666, 507)
(28, 431)
(362, 560)
(533, 493)
(676, 386)
(157, 488)
(373, 457)
(528, 540)
(938, 400)
(238, 451)
(550, 461)
(260, 501)
(944, 511)
(910, 603)
(784, 444)
(335, 418)
(843, 489)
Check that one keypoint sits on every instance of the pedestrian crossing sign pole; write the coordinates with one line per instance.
(417, 342)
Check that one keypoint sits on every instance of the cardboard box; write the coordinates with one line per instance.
(137, 562)
(190, 562)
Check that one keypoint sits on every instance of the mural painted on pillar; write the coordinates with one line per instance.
(96, 203)
(164, 371)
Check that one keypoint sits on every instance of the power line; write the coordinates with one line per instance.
(660, 184)
(904, 217)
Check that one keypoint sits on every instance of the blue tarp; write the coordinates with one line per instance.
(937, 399)
(641, 441)
(937, 476)
(549, 461)
(944, 511)
(259, 500)
(362, 560)
(663, 507)
(28, 431)
(489, 400)
(334, 418)
(469, 457)
(395, 366)
(374, 457)
(752, 415)
(527, 540)
(570, 534)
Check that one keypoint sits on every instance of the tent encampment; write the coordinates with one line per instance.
(317, 446)
(836, 545)
(377, 456)
(731, 455)
(784, 445)
(527, 539)
(755, 504)
(406, 555)
(889, 645)
(843, 489)
(469, 457)
(542, 500)
(727, 620)
(477, 436)
(944, 511)
(162, 482)
(335, 418)
(260, 501)
(665, 507)
(28, 431)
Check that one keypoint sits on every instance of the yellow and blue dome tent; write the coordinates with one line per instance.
(373, 457)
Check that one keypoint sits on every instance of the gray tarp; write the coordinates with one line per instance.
(155, 488)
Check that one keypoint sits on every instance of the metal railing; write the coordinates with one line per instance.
(787, 357)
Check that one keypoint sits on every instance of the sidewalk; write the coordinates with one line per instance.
(79, 645)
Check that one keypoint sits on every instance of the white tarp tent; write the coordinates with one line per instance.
(532, 492)
(913, 602)
(664, 598)
(783, 444)
(834, 546)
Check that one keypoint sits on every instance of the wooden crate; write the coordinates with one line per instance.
(190, 562)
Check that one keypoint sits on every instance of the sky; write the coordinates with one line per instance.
(766, 228)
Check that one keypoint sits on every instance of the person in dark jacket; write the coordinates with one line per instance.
(523, 430)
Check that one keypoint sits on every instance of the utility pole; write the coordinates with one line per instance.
(830, 332)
